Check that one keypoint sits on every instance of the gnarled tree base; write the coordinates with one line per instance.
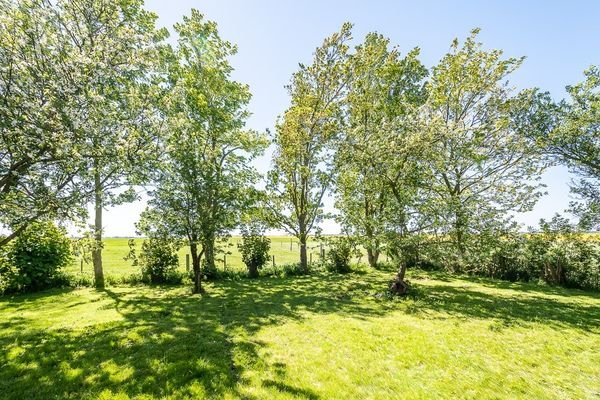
(399, 287)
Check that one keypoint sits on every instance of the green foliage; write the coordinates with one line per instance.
(286, 270)
(559, 255)
(482, 165)
(206, 179)
(34, 260)
(304, 133)
(158, 260)
(575, 141)
(254, 249)
(339, 255)
(374, 177)
(556, 254)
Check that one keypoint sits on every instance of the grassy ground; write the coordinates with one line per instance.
(284, 248)
(317, 337)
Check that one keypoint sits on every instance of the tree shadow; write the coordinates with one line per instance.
(468, 302)
(168, 343)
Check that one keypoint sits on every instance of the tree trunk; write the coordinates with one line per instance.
(399, 287)
(303, 254)
(372, 257)
(208, 247)
(97, 250)
(252, 271)
(196, 268)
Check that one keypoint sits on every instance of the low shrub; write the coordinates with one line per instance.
(254, 249)
(339, 255)
(33, 261)
(556, 254)
(158, 260)
(285, 270)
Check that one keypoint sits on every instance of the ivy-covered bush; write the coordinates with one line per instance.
(33, 261)
(158, 260)
(254, 249)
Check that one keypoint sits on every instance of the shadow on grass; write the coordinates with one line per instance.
(167, 344)
(171, 344)
(468, 302)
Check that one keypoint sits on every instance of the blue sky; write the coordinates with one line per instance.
(559, 38)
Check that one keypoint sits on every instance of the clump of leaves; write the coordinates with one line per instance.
(341, 251)
(254, 248)
(158, 259)
(34, 260)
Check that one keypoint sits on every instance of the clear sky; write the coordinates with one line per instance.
(559, 38)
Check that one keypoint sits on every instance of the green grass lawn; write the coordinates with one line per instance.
(317, 337)
(117, 248)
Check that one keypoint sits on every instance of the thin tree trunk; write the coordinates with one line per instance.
(97, 250)
(303, 253)
(209, 255)
(196, 268)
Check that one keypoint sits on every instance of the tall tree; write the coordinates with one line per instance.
(301, 173)
(384, 90)
(115, 44)
(206, 179)
(40, 152)
(576, 141)
(484, 167)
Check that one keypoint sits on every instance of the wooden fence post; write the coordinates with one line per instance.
(273, 260)
(187, 263)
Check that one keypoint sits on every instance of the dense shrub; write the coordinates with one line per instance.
(158, 260)
(287, 270)
(34, 259)
(556, 254)
(339, 255)
(254, 249)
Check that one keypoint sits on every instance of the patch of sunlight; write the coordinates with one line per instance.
(14, 352)
(109, 395)
(116, 373)
(70, 373)
(132, 338)
(196, 391)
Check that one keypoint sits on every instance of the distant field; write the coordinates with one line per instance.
(284, 248)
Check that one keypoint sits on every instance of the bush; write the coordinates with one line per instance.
(254, 249)
(339, 255)
(556, 254)
(286, 270)
(34, 259)
(158, 260)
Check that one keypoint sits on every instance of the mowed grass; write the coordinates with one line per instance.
(323, 336)
(284, 248)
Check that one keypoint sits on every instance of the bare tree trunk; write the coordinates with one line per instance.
(97, 250)
(196, 268)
